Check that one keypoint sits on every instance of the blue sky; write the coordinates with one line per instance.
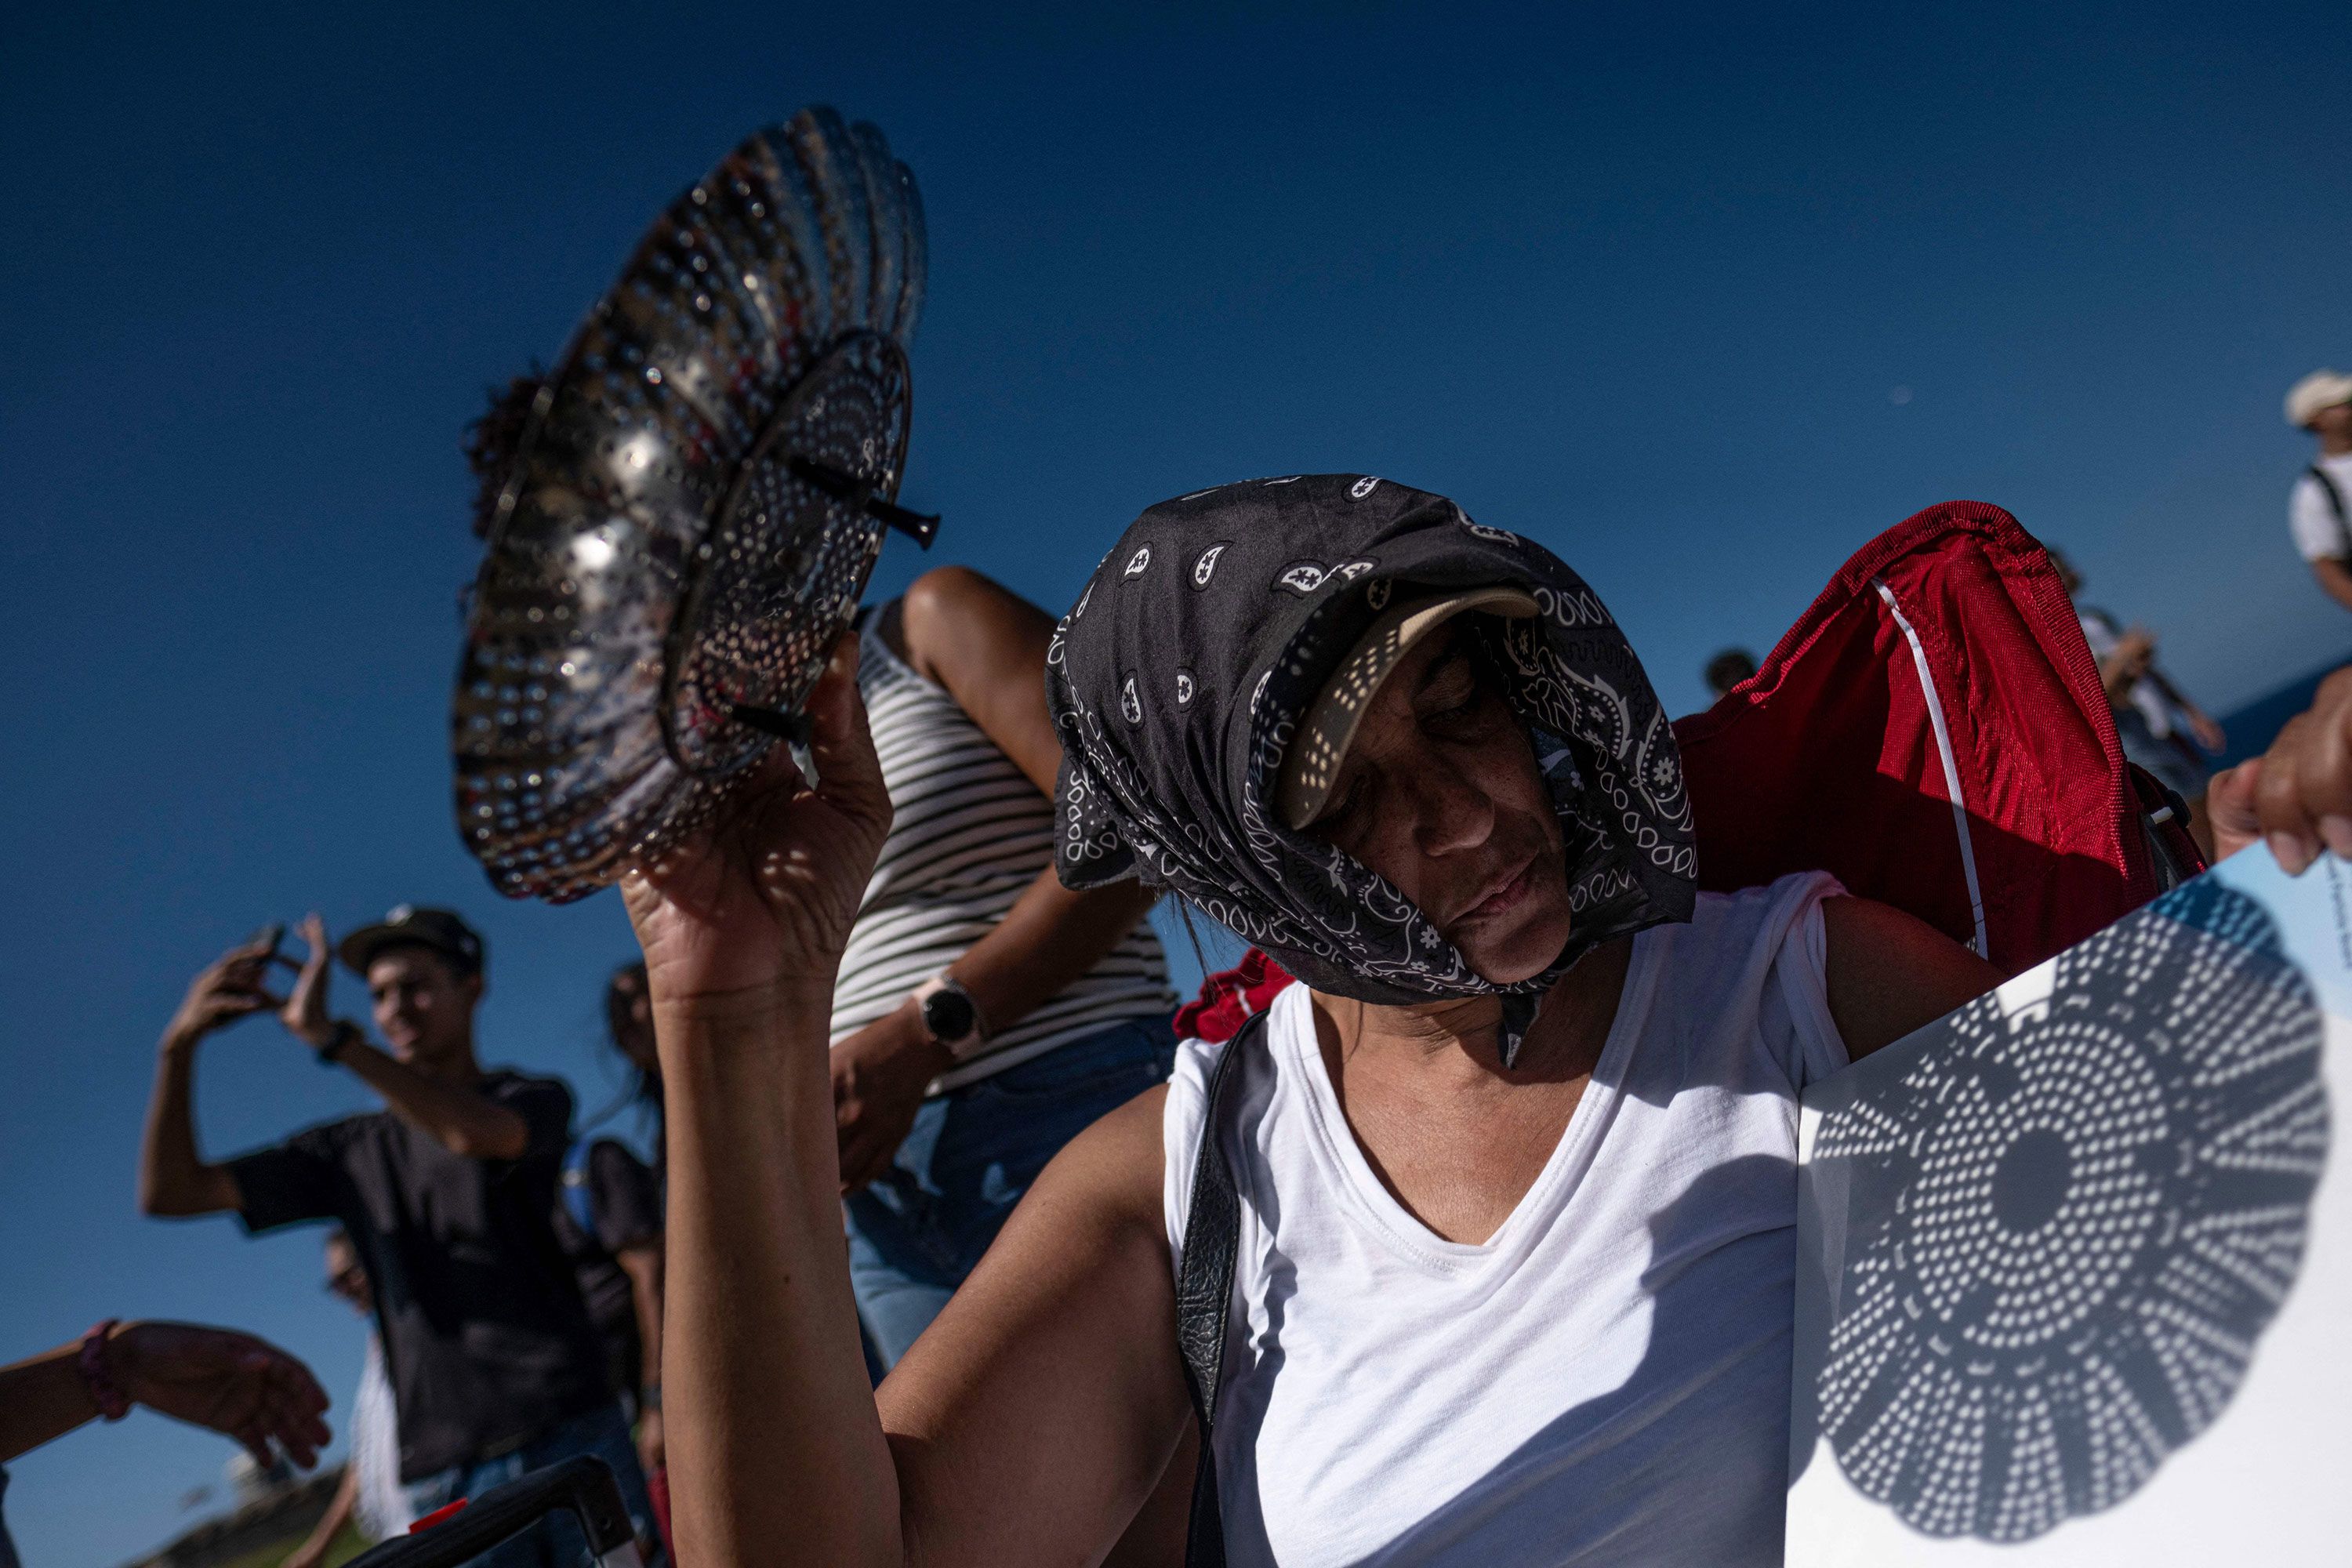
(1702, 297)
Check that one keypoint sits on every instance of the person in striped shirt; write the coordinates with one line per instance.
(985, 1014)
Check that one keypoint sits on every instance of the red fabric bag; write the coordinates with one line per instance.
(1933, 732)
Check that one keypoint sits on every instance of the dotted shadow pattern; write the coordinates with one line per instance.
(2074, 1222)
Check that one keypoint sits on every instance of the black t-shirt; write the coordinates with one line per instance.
(624, 1208)
(484, 1336)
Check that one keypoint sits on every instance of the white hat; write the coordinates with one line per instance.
(2320, 389)
(1312, 765)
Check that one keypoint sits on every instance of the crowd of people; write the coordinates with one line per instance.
(934, 1179)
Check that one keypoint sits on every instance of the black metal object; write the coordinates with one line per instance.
(581, 1486)
(698, 497)
(792, 726)
(922, 527)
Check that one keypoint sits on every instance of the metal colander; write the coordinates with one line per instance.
(697, 498)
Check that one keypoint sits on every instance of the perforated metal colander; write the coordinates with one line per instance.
(696, 503)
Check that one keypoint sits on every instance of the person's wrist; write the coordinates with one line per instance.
(341, 1037)
(180, 1039)
(922, 1050)
(105, 1364)
(791, 998)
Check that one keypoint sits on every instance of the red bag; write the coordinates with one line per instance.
(1933, 732)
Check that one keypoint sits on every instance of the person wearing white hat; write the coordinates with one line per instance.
(2320, 511)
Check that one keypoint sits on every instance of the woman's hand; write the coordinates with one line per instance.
(237, 1385)
(760, 898)
(2297, 796)
(880, 1076)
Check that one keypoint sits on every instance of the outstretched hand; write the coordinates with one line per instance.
(305, 1011)
(761, 897)
(233, 1383)
(233, 986)
(2297, 796)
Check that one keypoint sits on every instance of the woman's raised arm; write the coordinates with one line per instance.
(1039, 1411)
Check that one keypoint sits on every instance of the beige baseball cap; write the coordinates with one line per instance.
(2320, 390)
(1313, 763)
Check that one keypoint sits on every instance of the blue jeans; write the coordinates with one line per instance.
(918, 1229)
(554, 1542)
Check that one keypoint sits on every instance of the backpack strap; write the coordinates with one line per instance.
(1204, 1293)
(579, 1197)
(2335, 504)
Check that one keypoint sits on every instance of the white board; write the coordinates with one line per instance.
(2074, 1277)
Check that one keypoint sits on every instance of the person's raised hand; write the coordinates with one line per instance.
(233, 1383)
(761, 898)
(304, 1012)
(2297, 796)
(233, 986)
(879, 1075)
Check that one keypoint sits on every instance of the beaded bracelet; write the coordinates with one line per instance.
(90, 1360)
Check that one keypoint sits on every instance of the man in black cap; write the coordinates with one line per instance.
(449, 1196)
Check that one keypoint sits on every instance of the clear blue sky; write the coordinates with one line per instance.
(1640, 281)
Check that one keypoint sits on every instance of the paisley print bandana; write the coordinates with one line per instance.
(1178, 678)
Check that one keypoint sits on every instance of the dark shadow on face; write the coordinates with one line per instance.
(629, 1018)
(346, 1277)
(422, 1003)
(1439, 792)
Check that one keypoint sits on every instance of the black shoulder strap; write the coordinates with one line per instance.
(1205, 1292)
(2335, 504)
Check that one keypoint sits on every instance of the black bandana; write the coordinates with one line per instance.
(1178, 678)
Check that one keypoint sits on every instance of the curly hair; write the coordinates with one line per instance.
(492, 440)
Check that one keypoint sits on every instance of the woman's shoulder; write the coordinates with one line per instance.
(1766, 912)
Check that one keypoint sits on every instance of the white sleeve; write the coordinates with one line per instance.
(1802, 970)
(2313, 521)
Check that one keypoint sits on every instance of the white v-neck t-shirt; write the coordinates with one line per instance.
(1605, 1379)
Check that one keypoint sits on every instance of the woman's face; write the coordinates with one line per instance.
(1439, 794)
(633, 1022)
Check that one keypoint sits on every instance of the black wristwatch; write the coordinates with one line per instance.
(950, 1015)
(347, 1033)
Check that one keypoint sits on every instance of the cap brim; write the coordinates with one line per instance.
(365, 945)
(1329, 726)
(359, 949)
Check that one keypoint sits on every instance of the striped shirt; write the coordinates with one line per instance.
(969, 833)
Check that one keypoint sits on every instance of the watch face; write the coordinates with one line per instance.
(948, 1014)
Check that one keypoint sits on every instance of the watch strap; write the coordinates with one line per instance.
(346, 1035)
(971, 1042)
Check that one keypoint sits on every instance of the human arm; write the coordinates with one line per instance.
(174, 1179)
(2335, 577)
(1038, 1411)
(2207, 730)
(1048, 939)
(469, 1125)
(237, 1385)
(986, 646)
(643, 1265)
(2121, 668)
(313, 1550)
(1889, 973)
